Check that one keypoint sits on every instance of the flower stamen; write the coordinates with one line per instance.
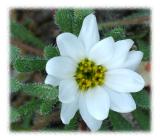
(89, 75)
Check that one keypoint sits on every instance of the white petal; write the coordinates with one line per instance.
(61, 67)
(97, 101)
(124, 80)
(89, 34)
(103, 51)
(122, 48)
(68, 90)
(70, 45)
(91, 122)
(133, 60)
(68, 111)
(121, 102)
(51, 80)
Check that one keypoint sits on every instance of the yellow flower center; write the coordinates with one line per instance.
(89, 75)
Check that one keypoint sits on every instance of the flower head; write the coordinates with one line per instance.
(94, 76)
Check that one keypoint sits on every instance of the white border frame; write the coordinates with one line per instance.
(4, 69)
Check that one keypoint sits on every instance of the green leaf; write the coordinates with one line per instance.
(15, 85)
(142, 99)
(79, 15)
(28, 108)
(64, 18)
(46, 107)
(142, 118)
(139, 13)
(41, 91)
(15, 53)
(117, 33)
(18, 31)
(73, 125)
(145, 48)
(119, 123)
(50, 51)
(26, 124)
(71, 20)
(27, 64)
(106, 124)
(14, 115)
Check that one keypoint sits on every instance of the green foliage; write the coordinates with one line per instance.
(145, 48)
(64, 18)
(46, 107)
(14, 115)
(28, 108)
(140, 13)
(18, 31)
(41, 91)
(15, 85)
(27, 121)
(106, 124)
(118, 122)
(46, 97)
(142, 99)
(14, 54)
(50, 51)
(28, 64)
(24, 111)
(117, 33)
(71, 20)
(79, 15)
(142, 118)
(73, 125)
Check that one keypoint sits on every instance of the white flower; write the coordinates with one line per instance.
(94, 76)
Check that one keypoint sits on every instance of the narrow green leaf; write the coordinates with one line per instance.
(14, 53)
(106, 124)
(27, 64)
(139, 13)
(22, 33)
(117, 33)
(28, 108)
(14, 115)
(26, 124)
(142, 99)
(46, 107)
(73, 125)
(142, 118)
(50, 51)
(41, 91)
(15, 85)
(119, 123)
(79, 15)
(64, 18)
(145, 48)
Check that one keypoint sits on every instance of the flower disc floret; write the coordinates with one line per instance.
(89, 75)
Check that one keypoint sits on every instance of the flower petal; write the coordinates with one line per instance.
(121, 102)
(91, 122)
(67, 90)
(122, 48)
(97, 101)
(68, 111)
(102, 52)
(124, 80)
(133, 60)
(60, 67)
(70, 45)
(89, 34)
(51, 80)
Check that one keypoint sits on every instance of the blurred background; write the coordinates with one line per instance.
(34, 30)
